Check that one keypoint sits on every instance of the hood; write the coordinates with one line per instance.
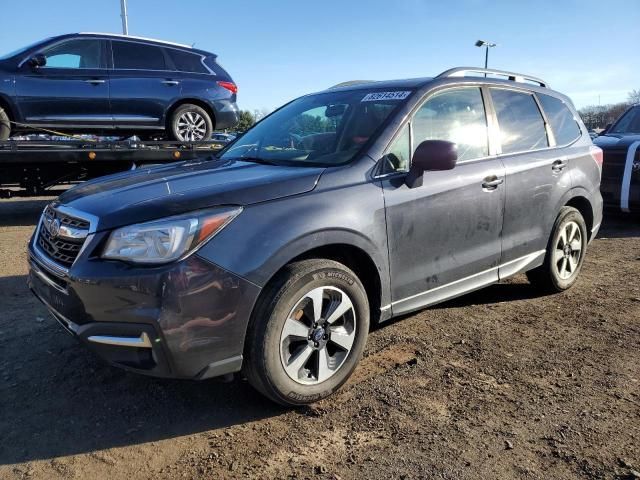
(615, 141)
(151, 193)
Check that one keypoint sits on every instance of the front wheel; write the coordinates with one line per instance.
(308, 332)
(191, 123)
(565, 253)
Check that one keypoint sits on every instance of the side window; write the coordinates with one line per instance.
(186, 62)
(398, 155)
(564, 126)
(139, 56)
(458, 116)
(75, 54)
(520, 121)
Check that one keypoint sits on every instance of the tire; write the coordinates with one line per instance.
(190, 123)
(5, 125)
(289, 302)
(553, 275)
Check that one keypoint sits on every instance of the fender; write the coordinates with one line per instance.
(578, 192)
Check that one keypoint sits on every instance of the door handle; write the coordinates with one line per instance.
(171, 82)
(94, 81)
(492, 182)
(559, 165)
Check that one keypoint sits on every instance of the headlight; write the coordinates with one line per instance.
(169, 239)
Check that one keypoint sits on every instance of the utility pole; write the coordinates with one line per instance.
(123, 15)
(487, 45)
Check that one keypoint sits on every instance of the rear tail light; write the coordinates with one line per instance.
(597, 155)
(232, 87)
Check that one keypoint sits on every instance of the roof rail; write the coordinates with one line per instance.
(514, 77)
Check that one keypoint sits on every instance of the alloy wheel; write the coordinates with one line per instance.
(568, 250)
(318, 335)
(191, 127)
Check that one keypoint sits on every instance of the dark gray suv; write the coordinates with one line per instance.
(342, 208)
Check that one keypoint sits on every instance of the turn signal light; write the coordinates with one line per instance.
(232, 87)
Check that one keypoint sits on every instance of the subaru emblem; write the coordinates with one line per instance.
(54, 228)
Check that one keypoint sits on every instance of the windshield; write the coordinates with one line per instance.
(323, 129)
(628, 123)
(21, 50)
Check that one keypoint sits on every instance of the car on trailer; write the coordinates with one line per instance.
(620, 143)
(123, 85)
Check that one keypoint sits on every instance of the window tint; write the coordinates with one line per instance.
(75, 54)
(399, 153)
(187, 62)
(520, 121)
(564, 126)
(137, 56)
(457, 116)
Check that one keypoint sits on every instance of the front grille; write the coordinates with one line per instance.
(62, 249)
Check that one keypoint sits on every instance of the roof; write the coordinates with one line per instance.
(361, 84)
(117, 35)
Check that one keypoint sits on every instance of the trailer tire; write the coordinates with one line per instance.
(5, 125)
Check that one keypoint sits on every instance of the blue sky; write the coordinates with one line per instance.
(277, 50)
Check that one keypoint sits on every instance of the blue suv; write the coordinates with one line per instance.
(114, 83)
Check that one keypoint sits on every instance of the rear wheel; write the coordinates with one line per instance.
(307, 333)
(5, 125)
(191, 123)
(565, 253)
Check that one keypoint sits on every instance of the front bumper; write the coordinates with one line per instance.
(183, 320)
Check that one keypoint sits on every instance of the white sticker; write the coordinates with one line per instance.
(376, 96)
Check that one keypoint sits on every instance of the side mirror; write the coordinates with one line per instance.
(606, 129)
(431, 155)
(38, 60)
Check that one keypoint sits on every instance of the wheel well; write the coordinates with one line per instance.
(584, 207)
(355, 259)
(194, 101)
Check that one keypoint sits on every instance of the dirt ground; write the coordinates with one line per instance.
(502, 383)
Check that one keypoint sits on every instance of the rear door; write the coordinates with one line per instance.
(444, 237)
(537, 177)
(142, 84)
(71, 89)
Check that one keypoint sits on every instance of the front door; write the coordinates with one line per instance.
(71, 89)
(444, 236)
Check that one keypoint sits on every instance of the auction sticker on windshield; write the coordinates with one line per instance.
(375, 96)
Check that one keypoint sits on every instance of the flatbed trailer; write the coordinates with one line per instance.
(32, 167)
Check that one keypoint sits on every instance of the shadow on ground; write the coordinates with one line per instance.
(57, 398)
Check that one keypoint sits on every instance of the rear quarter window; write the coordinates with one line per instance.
(563, 124)
(520, 121)
(187, 62)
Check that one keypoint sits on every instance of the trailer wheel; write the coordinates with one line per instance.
(5, 125)
(191, 123)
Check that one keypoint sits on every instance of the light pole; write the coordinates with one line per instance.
(487, 45)
(123, 14)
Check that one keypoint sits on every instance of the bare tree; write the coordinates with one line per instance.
(634, 97)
